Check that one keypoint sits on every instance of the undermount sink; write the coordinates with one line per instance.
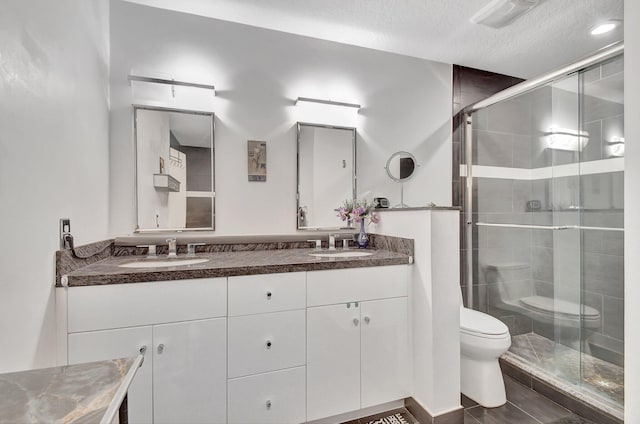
(150, 263)
(347, 254)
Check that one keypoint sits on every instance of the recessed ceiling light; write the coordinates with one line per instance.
(605, 27)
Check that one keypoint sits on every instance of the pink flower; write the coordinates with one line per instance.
(343, 214)
(375, 218)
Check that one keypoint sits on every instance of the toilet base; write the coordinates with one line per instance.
(482, 382)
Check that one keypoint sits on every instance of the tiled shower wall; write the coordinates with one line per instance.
(508, 135)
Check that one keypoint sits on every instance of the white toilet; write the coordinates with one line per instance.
(483, 339)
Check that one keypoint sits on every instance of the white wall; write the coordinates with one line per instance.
(435, 302)
(258, 74)
(632, 210)
(54, 141)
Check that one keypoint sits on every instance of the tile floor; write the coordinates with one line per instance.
(524, 406)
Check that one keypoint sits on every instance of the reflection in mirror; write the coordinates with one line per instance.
(174, 169)
(401, 167)
(326, 173)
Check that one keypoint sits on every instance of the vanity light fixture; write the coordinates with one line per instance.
(605, 27)
(566, 139)
(327, 102)
(172, 83)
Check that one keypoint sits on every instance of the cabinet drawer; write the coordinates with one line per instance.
(266, 342)
(272, 398)
(129, 305)
(356, 284)
(255, 294)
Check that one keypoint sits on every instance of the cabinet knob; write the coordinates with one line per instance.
(367, 320)
(269, 295)
(268, 344)
(143, 349)
(268, 403)
(160, 348)
(356, 321)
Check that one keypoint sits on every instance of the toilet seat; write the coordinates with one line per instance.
(560, 307)
(478, 324)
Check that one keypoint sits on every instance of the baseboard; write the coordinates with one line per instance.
(424, 417)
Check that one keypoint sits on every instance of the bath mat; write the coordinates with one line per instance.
(397, 418)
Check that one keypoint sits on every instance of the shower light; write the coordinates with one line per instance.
(615, 147)
(566, 139)
(605, 27)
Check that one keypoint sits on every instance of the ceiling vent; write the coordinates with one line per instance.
(500, 13)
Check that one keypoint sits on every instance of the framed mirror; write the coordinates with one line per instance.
(326, 174)
(401, 166)
(174, 169)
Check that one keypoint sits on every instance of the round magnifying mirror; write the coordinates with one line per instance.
(401, 166)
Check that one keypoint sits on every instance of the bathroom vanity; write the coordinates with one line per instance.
(235, 339)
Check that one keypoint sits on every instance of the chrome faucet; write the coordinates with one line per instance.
(332, 242)
(172, 248)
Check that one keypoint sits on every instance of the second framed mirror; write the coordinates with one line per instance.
(326, 174)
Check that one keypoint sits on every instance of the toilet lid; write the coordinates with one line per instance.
(558, 306)
(477, 322)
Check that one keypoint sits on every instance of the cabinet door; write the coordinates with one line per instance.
(189, 372)
(333, 360)
(385, 351)
(109, 344)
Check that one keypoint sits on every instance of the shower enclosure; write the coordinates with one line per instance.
(544, 224)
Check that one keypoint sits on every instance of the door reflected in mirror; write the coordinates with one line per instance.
(174, 169)
(326, 174)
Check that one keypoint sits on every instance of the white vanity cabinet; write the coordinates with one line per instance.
(267, 355)
(183, 326)
(357, 344)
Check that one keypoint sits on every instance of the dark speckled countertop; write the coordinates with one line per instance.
(223, 264)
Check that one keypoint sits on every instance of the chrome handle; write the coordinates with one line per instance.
(269, 295)
(317, 242)
(160, 348)
(367, 320)
(268, 403)
(151, 250)
(191, 248)
(143, 349)
(356, 321)
(269, 344)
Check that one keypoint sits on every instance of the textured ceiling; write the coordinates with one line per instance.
(554, 33)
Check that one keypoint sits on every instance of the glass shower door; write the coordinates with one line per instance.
(544, 207)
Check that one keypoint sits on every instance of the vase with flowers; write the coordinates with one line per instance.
(358, 212)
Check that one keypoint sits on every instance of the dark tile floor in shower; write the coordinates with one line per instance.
(598, 376)
(524, 406)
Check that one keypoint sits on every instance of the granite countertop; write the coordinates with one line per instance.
(79, 393)
(223, 264)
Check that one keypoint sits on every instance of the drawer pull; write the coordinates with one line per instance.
(269, 295)
(268, 344)
(160, 348)
(268, 404)
(367, 320)
(143, 349)
(356, 321)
